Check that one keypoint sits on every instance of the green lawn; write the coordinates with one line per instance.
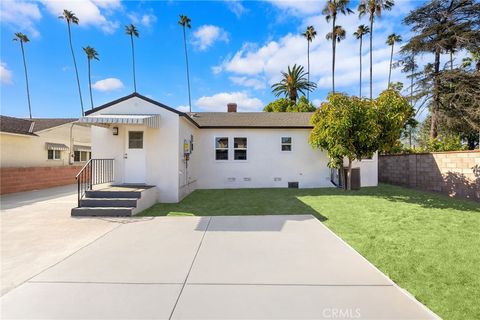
(429, 244)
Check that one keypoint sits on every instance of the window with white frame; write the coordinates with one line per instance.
(240, 148)
(54, 154)
(81, 156)
(286, 143)
(221, 148)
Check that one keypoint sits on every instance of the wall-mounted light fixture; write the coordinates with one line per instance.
(115, 131)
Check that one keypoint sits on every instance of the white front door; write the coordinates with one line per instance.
(135, 163)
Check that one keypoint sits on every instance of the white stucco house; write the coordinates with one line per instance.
(153, 144)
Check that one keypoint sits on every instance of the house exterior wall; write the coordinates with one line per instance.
(265, 161)
(30, 151)
(368, 170)
(188, 170)
(160, 145)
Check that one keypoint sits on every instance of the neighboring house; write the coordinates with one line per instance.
(41, 153)
(179, 152)
(43, 142)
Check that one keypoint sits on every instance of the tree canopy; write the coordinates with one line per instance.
(287, 105)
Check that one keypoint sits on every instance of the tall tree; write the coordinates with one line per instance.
(293, 81)
(22, 38)
(71, 18)
(309, 34)
(91, 54)
(132, 31)
(185, 23)
(436, 26)
(331, 10)
(391, 40)
(361, 31)
(373, 8)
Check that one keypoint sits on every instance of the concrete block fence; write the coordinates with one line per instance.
(455, 173)
(35, 178)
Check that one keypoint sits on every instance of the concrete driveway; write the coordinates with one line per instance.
(37, 232)
(250, 267)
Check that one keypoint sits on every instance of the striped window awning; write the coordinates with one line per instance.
(149, 120)
(81, 148)
(56, 146)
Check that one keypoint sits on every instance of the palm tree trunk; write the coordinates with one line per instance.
(75, 65)
(436, 97)
(308, 66)
(371, 54)
(361, 38)
(133, 64)
(390, 69)
(334, 38)
(188, 73)
(26, 80)
(90, 84)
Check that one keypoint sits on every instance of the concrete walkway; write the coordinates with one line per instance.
(257, 267)
(37, 232)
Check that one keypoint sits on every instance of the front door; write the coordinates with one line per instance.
(135, 170)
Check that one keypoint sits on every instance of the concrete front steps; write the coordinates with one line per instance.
(116, 201)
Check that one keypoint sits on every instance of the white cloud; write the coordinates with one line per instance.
(268, 60)
(108, 4)
(249, 82)
(206, 35)
(5, 74)
(20, 16)
(87, 11)
(108, 84)
(299, 7)
(183, 108)
(147, 20)
(236, 7)
(316, 102)
(218, 102)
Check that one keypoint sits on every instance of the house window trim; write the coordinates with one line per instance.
(88, 154)
(246, 149)
(54, 158)
(282, 144)
(215, 149)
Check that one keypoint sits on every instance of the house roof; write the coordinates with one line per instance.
(47, 123)
(252, 119)
(16, 126)
(229, 119)
(30, 126)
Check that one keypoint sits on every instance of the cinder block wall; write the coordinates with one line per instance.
(35, 178)
(456, 173)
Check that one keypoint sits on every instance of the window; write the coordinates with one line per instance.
(286, 143)
(221, 148)
(81, 156)
(54, 155)
(135, 139)
(240, 148)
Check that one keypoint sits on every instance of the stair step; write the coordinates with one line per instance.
(113, 194)
(108, 202)
(102, 211)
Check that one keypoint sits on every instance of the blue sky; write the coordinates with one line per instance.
(236, 49)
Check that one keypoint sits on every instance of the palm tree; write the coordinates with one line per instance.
(70, 17)
(185, 23)
(91, 54)
(132, 31)
(361, 31)
(331, 10)
(293, 81)
(22, 38)
(391, 40)
(309, 34)
(337, 35)
(373, 8)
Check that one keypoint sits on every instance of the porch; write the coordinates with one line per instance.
(98, 195)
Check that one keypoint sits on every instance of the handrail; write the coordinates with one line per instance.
(95, 171)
